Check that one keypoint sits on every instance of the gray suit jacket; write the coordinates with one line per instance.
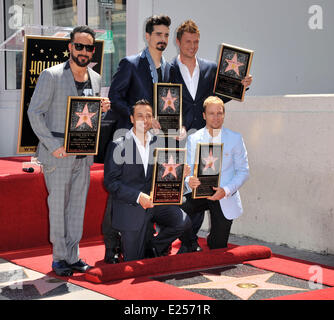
(47, 110)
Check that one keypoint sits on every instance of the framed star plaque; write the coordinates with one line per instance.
(168, 176)
(207, 168)
(168, 107)
(83, 123)
(234, 65)
(41, 52)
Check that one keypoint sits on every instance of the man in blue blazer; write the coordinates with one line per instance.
(197, 77)
(128, 177)
(134, 81)
(136, 74)
(225, 204)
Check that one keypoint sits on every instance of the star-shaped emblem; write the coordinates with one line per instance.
(242, 287)
(210, 162)
(233, 64)
(66, 54)
(170, 167)
(169, 101)
(85, 117)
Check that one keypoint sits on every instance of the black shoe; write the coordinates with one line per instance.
(195, 247)
(151, 252)
(184, 249)
(112, 255)
(80, 266)
(62, 268)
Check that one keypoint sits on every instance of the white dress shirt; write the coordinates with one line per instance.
(144, 151)
(190, 81)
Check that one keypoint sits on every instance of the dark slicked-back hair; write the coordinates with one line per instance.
(142, 102)
(82, 29)
(156, 21)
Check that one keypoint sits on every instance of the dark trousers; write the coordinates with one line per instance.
(111, 236)
(220, 226)
(172, 221)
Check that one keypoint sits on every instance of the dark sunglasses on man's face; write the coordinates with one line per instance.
(80, 47)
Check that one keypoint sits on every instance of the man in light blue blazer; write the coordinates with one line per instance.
(197, 77)
(225, 204)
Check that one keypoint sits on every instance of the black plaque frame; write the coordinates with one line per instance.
(228, 81)
(211, 178)
(166, 188)
(41, 52)
(167, 115)
(83, 139)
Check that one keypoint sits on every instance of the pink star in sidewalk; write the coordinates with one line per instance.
(169, 101)
(210, 162)
(233, 64)
(85, 117)
(170, 167)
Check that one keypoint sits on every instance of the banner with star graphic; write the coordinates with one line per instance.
(168, 176)
(41, 53)
(207, 168)
(83, 123)
(168, 107)
(234, 65)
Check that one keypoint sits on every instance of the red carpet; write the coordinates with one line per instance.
(300, 269)
(177, 263)
(143, 288)
(23, 206)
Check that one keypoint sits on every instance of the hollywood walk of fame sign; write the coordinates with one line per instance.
(40, 53)
(168, 176)
(83, 124)
(234, 65)
(168, 107)
(207, 168)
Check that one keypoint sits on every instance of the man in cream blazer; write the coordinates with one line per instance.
(225, 204)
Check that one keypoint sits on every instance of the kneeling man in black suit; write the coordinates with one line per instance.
(128, 177)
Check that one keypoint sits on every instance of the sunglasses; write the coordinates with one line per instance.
(80, 47)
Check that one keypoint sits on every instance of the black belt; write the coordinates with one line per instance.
(62, 135)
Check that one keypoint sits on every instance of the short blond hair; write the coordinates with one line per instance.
(213, 100)
(187, 26)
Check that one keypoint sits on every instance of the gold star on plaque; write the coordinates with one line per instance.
(66, 54)
(242, 287)
(42, 51)
(56, 57)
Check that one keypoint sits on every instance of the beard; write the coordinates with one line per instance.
(161, 46)
(81, 63)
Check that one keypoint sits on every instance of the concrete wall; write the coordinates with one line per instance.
(289, 196)
(288, 199)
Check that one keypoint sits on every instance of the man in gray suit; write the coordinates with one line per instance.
(67, 177)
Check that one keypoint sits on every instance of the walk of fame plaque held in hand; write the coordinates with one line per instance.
(83, 123)
(168, 176)
(168, 107)
(207, 168)
(233, 66)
